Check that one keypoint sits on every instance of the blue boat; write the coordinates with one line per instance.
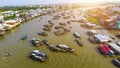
(24, 37)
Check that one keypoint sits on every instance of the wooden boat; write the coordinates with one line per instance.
(65, 47)
(79, 42)
(24, 37)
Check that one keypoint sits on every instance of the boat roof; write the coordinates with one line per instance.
(113, 45)
(102, 38)
(106, 36)
(93, 31)
(76, 33)
(63, 45)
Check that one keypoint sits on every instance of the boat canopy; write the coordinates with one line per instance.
(77, 34)
(114, 46)
(102, 38)
(93, 31)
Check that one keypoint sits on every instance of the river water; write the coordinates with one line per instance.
(19, 49)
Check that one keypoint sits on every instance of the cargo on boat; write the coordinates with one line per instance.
(98, 38)
(46, 29)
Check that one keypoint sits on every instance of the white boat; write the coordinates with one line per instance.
(77, 35)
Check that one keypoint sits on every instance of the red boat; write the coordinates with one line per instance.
(106, 50)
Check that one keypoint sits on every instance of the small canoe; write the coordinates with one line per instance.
(24, 37)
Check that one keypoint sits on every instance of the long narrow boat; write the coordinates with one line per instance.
(24, 37)
(79, 42)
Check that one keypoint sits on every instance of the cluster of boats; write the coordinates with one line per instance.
(106, 47)
(57, 16)
(43, 33)
(59, 47)
(97, 38)
(66, 17)
(110, 49)
(38, 55)
(61, 29)
(47, 27)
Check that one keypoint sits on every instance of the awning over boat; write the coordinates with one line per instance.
(102, 38)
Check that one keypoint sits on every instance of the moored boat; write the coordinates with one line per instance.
(36, 42)
(65, 47)
(24, 37)
(79, 42)
(38, 55)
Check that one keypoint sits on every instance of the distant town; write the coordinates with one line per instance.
(10, 17)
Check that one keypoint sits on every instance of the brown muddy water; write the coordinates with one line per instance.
(88, 55)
